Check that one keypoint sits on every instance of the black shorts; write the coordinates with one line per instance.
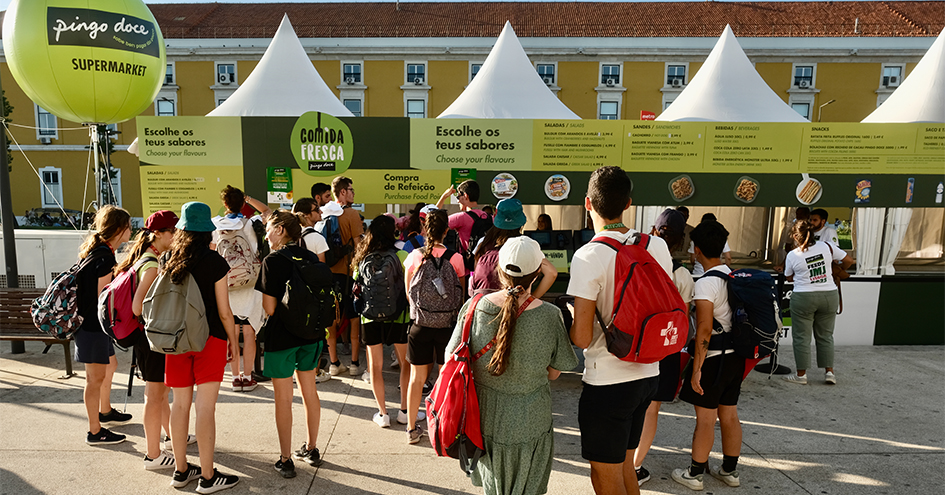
(150, 363)
(93, 346)
(384, 333)
(611, 418)
(717, 389)
(427, 345)
(670, 377)
(346, 284)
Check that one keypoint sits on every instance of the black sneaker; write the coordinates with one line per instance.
(114, 418)
(642, 475)
(286, 468)
(104, 437)
(218, 482)
(311, 456)
(259, 377)
(181, 479)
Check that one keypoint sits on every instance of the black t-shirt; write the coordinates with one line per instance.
(211, 268)
(100, 262)
(276, 270)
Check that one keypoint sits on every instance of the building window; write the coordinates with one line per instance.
(416, 109)
(416, 74)
(220, 101)
(354, 106)
(165, 107)
(226, 73)
(610, 74)
(675, 75)
(892, 76)
(802, 108)
(46, 123)
(169, 74)
(473, 70)
(609, 110)
(547, 73)
(804, 76)
(352, 73)
(51, 188)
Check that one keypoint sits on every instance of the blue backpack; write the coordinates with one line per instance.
(756, 322)
(337, 248)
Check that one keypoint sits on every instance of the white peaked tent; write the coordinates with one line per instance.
(728, 89)
(284, 83)
(921, 96)
(507, 87)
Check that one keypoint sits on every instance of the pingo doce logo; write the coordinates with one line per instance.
(98, 28)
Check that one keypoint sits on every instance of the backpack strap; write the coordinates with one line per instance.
(413, 241)
(467, 323)
(474, 216)
(491, 343)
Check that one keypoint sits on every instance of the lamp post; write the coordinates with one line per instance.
(820, 110)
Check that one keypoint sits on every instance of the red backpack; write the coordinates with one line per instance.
(650, 320)
(114, 306)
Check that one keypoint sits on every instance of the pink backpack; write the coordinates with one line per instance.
(114, 306)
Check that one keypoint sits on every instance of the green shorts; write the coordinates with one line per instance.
(282, 364)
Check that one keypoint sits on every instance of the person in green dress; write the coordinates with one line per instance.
(529, 348)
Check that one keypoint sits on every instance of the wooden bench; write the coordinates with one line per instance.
(17, 325)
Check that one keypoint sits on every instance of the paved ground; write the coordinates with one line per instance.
(881, 430)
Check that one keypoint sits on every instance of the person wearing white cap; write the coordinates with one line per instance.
(526, 346)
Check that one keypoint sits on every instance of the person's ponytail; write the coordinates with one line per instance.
(508, 317)
(803, 234)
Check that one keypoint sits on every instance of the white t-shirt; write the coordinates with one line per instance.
(715, 290)
(811, 269)
(592, 277)
(697, 269)
(684, 284)
(827, 233)
(315, 243)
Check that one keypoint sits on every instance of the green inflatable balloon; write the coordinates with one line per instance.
(100, 61)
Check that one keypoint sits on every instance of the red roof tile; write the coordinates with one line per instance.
(554, 19)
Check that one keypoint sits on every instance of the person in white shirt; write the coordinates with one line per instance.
(713, 381)
(616, 393)
(814, 300)
(823, 231)
(309, 214)
(697, 269)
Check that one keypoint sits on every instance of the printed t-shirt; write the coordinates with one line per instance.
(276, 271)
(592, 277)
(209, 268)
(715, 290)
(101, 261)
(828, 234)
(811, 269)
(314, 242)
(462, 223)
(416, 257)
(697, 269)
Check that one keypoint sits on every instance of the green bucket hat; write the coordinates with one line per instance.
(195, 217)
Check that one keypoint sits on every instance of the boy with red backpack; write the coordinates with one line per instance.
(616, 393)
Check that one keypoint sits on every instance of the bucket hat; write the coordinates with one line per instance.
(509, 214)
(195, 217)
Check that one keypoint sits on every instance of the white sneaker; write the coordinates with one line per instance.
(794, 378)
(322, 376)
(191, 439)
(382, 420)
(163, 461)
(394, 363)
(402, 417)
(682, 477)
(354, 370)
(337, 370)
(730, 479)
(366, 376)
(830, 378)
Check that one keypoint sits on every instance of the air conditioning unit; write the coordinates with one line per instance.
(549, 81)
(418, 81)
(45, 140)
(803, 84)
(610, 83)
(349, 80)
(226, 78)
(893, 82)
(677, 83)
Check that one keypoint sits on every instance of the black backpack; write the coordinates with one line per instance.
(308, 306)
(756, 320)
(479, 229)
(337, 248)
(262, 246)
(380, 293)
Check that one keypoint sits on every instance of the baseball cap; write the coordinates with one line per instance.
(426, 210)
(520, 256)
(160, 220)
(672, 220)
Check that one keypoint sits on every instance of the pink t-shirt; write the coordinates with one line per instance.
(462, 223)
(416, 257)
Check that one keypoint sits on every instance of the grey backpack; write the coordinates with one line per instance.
(435, 292)
(175, 319)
